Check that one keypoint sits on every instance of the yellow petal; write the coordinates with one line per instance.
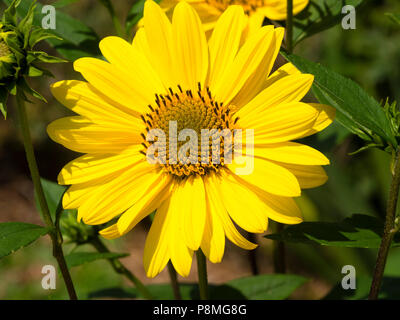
(243, 205)
(266, 175)
(308, 176)
(213, 243)
(116, 196)
(246, 62)
(291, 152)
(110, 232)
(190, 50)
(224, 42)
(96, 166)
(219, 209)
(325, 117)
(158, 32)
(280, 123)
(81, 135)
(286, 90)
(277, 9)
(255, 82)
(116, 84)
(151, 197)
(156, 249)
(85, 100)
(127, 59)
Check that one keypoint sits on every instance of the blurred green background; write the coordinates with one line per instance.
(357, 184)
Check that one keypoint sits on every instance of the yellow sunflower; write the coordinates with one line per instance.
(210, 10)
(170, 73)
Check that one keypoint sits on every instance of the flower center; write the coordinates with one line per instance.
(196, 130)
(4, 51)
(248, 5)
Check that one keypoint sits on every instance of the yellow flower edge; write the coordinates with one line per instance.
(170, 68)
(256, 10)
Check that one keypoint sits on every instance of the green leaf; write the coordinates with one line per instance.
(390, 290)
(78, 258)
(356, 110)
(53, 193)
(318, 16)
(395, 17)
(15, 235)
(79, 39)
(63, 3)
(358, 231)
(262, 287)
(3, 101)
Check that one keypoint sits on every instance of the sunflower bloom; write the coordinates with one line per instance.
(210, 10)
(170, 73)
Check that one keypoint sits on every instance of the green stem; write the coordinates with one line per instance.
(121, 269)
(279, 252)
(388, 232)
(114, 18)
(289, 26)
(174, 281)
(202, 274)
(54, 232)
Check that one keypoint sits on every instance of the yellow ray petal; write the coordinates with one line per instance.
(116, 196)
(242, 205)
(308, 176)
(255, 82)
(291, 152)
(156, 249)
(151, 198)
(85, 100)
(286, 90)
(181, 255)
(224, 42)
(246, 62)
(213, 243)
(219, 209)
(190, 50)
(266, 175)
(96, 166)
(158, 32)
(325, 117)
(281, 123)
(81, 135)
(283, 71)
(116, 84)
(277, 9)
(126, 58)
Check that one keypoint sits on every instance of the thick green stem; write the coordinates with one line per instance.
(54, 233)
(202, 274)
(279, 252)
(174, 281)
(121, 269)
(289, 26)
(388, 232)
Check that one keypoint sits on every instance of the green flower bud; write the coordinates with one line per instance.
(18, 59)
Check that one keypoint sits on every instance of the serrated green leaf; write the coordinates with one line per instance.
(78, 258)
(318, 16)
(15, 235)
(356, 110)
(358, 231)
